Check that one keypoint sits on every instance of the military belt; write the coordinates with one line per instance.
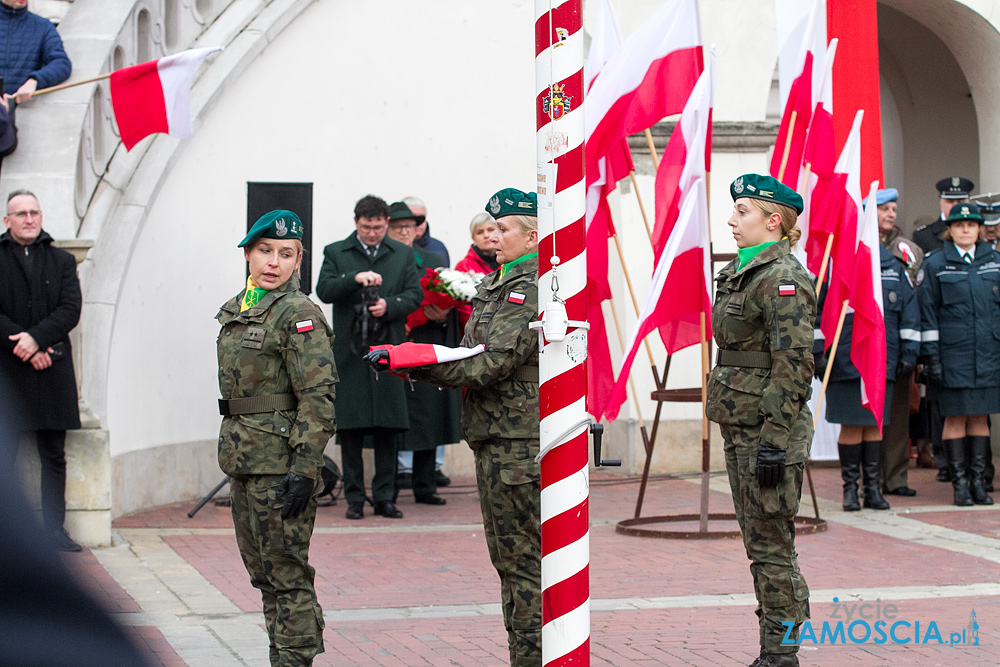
(229, 407)
(525, 374)
(745, 358)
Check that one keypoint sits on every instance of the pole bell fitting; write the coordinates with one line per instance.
(555, 323)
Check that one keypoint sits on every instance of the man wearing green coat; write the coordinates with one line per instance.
(373, 284)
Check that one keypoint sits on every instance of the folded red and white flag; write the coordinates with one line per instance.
(408, 355)
(155, 96)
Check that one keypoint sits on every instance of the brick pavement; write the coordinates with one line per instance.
(421, 591)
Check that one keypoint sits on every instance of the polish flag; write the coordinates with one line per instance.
(868, 335)
(686, 158)
(818, 160)
(155, 96)
(792, 131)
(837, 210)
(649, 77)
(408, 355)
(678, 293)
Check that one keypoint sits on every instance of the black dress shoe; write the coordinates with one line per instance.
(902, 491)
(404, 480)
(944, 475)
(432, 499)
(63, 542)
(387, 509)
(441, 480)
(355, 511)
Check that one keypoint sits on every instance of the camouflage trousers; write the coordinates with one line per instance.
(766, 521)
(510, 499)
(276, 554)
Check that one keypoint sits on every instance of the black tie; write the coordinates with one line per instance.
(968, 258)
(371, 250)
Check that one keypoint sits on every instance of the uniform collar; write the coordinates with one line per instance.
(233, 305)
(981, 254)
(528, 265)
(766, 256)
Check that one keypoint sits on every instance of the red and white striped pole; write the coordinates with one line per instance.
(562, 276)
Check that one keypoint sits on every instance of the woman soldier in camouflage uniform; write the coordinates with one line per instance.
(277, 374)
(500, 416)
(763, 322)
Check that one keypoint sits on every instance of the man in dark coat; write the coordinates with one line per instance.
(39, 305)
(373, 284)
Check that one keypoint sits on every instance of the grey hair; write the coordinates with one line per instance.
(478, 220)
(19, 193)
(414, 201)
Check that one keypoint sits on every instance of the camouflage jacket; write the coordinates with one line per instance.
(906, 250)
(280, 346)
(501, 397)
(768, 306)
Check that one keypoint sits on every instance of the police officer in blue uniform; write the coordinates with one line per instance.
(959, 291)
(860, 442)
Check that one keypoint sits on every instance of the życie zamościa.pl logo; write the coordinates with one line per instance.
(878, 623)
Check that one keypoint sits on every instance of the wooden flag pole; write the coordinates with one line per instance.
(642, 209)
(788, 146)
(652, 149)
(635, 304)
(64, 86)
(822, 264)
(829, 362)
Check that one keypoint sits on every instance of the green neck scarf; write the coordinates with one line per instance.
(746, 254)
(253, 295)
(511, 264)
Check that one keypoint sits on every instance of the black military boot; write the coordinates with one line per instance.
(850, 472)
(766, 659)
(870, 465)
(958, 462)
(979, 446)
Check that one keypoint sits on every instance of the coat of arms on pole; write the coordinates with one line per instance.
(556, 100)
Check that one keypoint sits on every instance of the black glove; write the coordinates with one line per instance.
(933, 372)
(770, 466)
(820, 361)
(378, 360)
(904, 369)
(297, 492)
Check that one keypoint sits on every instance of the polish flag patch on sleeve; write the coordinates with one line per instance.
(515, 297)
(786, 290)
(304, 326)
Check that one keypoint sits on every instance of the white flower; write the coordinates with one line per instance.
(459, 285)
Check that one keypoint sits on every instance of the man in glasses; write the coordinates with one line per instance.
(39, 305)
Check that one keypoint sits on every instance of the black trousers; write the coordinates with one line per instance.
(52, 455)
(384, 481)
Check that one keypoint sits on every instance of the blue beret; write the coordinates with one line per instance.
(765, 188)
(884, 197)
(511, 201)
(279, 224)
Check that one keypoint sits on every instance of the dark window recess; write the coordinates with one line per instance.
(295, 197)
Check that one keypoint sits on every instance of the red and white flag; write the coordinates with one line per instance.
(837, 210)
(155, 96)
(797, 113)
(686, 158)
(819, 156)
(868, 343)
(679, 291)
(408, 355)
(648, 78)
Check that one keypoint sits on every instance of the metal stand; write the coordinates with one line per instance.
(211, 494)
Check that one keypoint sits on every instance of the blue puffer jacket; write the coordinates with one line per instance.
(30, 48)
(902, 323)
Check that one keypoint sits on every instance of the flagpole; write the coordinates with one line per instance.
(826, 260)
(788, 145)
(706, 453)
(652, 150)
(829, 362)
(642, 209)
(563, 435)
(64, 86)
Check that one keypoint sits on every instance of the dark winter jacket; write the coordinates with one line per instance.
(960, 311)
(47, 305)
(30, 48)
(902, 323)
(433, 245)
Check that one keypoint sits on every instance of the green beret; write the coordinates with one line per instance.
(511, 201)
(766, 188)
(278, 224)
(961, 212)
(400, 211)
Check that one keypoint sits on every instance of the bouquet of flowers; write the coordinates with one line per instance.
(445, 288)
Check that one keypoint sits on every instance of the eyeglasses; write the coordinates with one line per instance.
(368, 229)
(403, 228)
(21, 215)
